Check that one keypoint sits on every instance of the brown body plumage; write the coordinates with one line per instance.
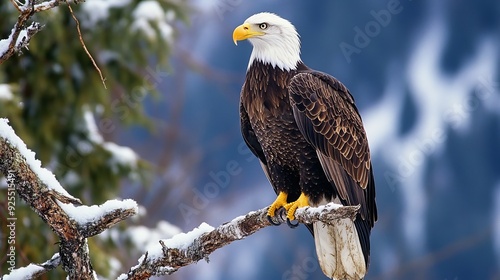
(291, 163)
(268, 125)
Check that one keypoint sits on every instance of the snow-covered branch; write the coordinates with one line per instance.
(73, 224)
(34, 271)
(187, 248)
(21, 33)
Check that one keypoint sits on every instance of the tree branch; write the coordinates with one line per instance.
(202, 241)
(33, 271)
(72, 224)
(21, 34)
(106, 221)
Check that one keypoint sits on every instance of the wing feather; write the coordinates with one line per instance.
(250, 137)
(327, 117)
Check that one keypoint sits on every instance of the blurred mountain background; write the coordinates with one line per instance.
(426, 79)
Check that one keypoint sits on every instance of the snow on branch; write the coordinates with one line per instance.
(73, 224)
(34, 271)
(185, 249)
(92, 220)
(21, 33)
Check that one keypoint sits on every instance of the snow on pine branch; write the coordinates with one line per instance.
(120, 155)
(5, 91)
(150, 17)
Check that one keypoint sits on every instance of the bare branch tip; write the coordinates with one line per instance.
(84, 46)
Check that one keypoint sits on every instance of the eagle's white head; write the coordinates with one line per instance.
(274, 39)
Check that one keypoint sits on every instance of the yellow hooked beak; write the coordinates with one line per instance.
(244, 32)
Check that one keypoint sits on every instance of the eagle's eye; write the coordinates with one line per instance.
(263, 26)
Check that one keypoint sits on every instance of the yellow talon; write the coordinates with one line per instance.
(277, 204)
(291, 207)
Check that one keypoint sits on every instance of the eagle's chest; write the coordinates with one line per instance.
(266, 99)
(272, 120)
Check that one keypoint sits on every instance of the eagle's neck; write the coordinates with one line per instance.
(279, 52)
(264, 78)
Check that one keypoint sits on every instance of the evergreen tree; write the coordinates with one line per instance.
(59, 106)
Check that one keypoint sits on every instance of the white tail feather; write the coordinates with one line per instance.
(339, 250)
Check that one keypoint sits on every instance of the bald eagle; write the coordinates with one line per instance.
(306, 131)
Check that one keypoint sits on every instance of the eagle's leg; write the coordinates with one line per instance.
(277, 204)
(291, 207)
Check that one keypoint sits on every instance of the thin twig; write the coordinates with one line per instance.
(14, 2)
(84, 46)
